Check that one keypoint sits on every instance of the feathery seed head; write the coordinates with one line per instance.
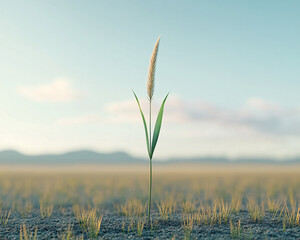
(151, 71)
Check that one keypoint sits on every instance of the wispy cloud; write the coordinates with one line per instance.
(261, 104)
(59, 90)
(256, 115)
(256, 128)
(86, 119)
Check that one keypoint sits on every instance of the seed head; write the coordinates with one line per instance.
(151, 71)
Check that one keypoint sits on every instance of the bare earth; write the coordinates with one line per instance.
(189, 202)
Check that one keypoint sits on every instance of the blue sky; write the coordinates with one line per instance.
(67, 70)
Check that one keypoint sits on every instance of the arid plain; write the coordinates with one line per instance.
(202, 201)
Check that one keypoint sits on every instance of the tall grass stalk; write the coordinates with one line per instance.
(151, 140)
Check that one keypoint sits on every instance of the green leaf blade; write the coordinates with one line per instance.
(144, 122)
(157, 126)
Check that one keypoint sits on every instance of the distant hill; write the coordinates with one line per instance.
(223, 160)
(74, 157)
(92, 157)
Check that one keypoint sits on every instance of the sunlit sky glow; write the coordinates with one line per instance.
(67, 69)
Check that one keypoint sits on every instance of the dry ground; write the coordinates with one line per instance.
(189, 202)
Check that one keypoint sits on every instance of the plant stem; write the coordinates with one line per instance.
(150, 126)
(150, 158)
(150, 186)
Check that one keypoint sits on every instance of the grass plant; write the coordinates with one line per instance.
(187, 225)
(46, 209)
(236, 230)
(68, 234)
(88, 221)
(140, 226)
(4, 216)
(256, 212)
(151, 140)
(166, 208)
(291, 217)
(219, 213)
(235, 205)
(188, 207)
(131, 208)
(25, 234)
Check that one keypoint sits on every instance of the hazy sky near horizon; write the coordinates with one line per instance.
(67, 69)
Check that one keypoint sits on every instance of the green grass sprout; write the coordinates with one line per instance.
(151, 141)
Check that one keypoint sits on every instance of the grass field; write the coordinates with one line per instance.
(189, 202)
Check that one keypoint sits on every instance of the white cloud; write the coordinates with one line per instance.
(257, 115)
(190, 128)
(124, 111)
(86, 119)
(197, 128)
(127, 111)
(59, 90)
(260, 104)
